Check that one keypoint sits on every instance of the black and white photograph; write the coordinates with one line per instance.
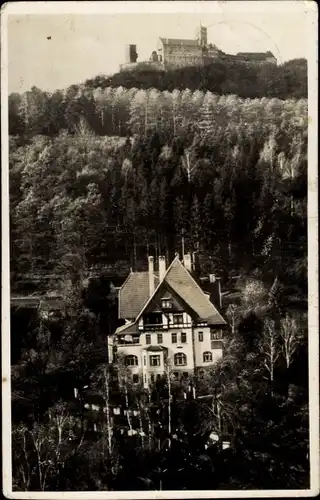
(159, 249)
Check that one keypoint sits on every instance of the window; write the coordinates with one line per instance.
(148, 338)
(185, 374)
(216, 334)
(183, 337)
(180, 359)
(216, 344)
(153, 319)
(158, 376)
(144, 360)
(135, 339)
(131, 360)
(135, 378)
(174, 338)
(200, 336)
(176, 374)
(166, 304)
(154, 360)
(178, 319)
(152, 378)
(159, 338)
(207, 356)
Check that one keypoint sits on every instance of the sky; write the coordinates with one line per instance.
(83, 45)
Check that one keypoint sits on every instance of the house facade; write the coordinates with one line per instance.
(170, 323)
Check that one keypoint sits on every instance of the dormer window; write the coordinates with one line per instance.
(166, 304)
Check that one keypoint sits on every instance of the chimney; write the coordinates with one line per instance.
(162, 267)
(151, 275)
(195, 262)
(187, 262)
(215, 288)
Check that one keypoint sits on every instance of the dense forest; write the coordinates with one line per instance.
(37, 112)
(99, 178)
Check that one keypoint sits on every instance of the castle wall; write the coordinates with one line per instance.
(178, 56)
(175, 53)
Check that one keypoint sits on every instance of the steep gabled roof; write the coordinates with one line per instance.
(180, 281)
(184, 285)
(134, 294)
(179, 41)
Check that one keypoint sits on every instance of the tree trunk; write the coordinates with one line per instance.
(109, 437)
(291, 205)
(127, 404)
(169, 407)
(139, 406)
(149, 420)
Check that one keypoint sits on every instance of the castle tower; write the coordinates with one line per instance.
(131, 53)
(202, 36)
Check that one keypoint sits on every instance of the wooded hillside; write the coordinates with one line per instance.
(285, 81)
(108, 175)
(221, 169)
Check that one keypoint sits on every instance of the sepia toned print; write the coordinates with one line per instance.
(162, 335)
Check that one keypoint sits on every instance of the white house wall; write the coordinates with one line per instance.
(194, 358)
(205, 346)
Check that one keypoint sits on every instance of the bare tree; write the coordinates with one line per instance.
(169, 375)
(106, 394)
(150, 430)
(46, 447)
(270, 347)
(231, 313)
(123, 380)
(24, 471)
(140, 414)
(126, 398)
(100, 381)
(188, 164)
(290, 338)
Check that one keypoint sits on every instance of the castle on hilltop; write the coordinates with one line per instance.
(173, 53)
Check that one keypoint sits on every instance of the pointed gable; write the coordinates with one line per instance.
(184, 285)
(164, 293)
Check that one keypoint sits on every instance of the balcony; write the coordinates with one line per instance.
(153, 327)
